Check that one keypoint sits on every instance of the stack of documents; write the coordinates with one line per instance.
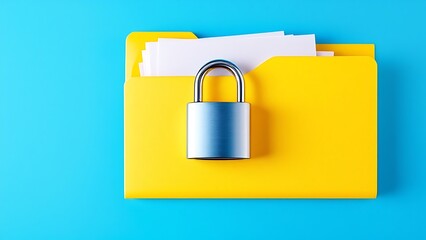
(184, 57)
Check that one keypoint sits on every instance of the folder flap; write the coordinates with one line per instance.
(282, 63)
(348, 49)
(313, 133)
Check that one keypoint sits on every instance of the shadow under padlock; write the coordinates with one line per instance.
(223, 88)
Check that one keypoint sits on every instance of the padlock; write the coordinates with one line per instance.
(218, 130)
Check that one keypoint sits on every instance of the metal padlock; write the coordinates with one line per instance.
(218, 130)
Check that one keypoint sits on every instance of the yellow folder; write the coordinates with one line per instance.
(313, 128)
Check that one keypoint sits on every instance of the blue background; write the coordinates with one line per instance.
(61, 121)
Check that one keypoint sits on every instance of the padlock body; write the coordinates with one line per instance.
(218, 130)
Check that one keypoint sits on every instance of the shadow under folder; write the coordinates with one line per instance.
(389, 115)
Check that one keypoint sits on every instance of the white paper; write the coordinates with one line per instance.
(141, 69)
(184, 57)
(150, 57)
(243, 36)
(325, 53)
(151, 48)
(144, 67)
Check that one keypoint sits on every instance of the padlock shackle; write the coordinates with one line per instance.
(219, 63)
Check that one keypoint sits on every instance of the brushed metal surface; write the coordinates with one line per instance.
(218, 130)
